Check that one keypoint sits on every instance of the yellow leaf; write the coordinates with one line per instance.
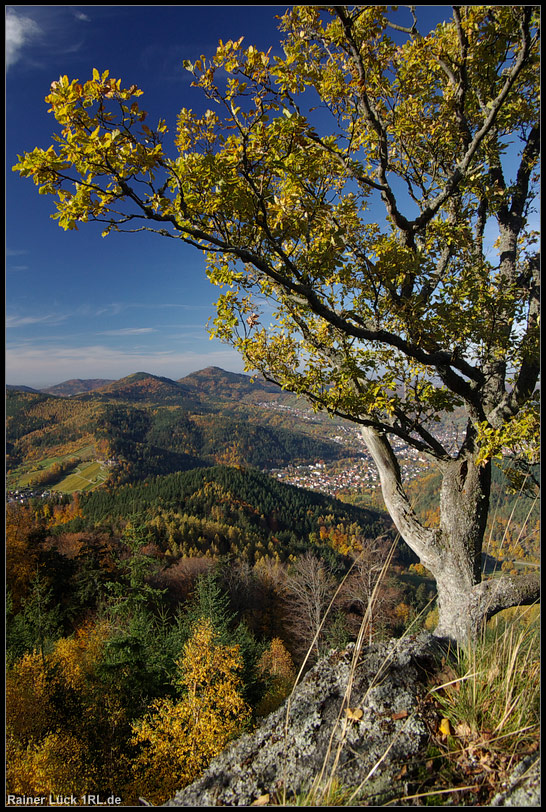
(261, 801)
(445, 727)
(355, 714)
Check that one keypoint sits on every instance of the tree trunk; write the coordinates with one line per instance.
(452, 551)
(464, 507)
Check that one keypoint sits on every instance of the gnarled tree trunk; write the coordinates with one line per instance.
(452, 551)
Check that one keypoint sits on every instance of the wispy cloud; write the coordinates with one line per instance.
(25, 321)
(127, 331)
(20, 32)
(41, 366)
(50, 30)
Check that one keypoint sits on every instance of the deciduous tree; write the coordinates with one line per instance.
(180, 737)
(309, 588)
(354, 183)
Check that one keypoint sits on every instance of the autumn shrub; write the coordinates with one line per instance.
(277, 667)
(43, 755)
(29, 702)
(55, 765)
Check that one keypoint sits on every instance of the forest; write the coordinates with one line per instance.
(131, 606)
(186, 573)
(119, 619)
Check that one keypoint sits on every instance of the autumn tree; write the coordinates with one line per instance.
(179, 737)
(59, 722)
(353, 184)
(277, 667)
(24, 532)
(368, 592)
(308, 589)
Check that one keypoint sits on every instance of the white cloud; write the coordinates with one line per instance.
(20, 31)
(24, 321)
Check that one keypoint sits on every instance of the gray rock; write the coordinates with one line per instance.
(523, 788)
(357, 718)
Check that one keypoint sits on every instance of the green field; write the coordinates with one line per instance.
(84, 478)
(88, 474)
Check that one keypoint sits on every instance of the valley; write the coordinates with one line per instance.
(120, 431)
(85, 437)
(153, 526)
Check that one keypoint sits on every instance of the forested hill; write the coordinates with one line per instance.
(76, 386)
(229, 510)
(143, 424)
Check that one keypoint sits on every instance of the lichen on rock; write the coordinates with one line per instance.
(356, 716)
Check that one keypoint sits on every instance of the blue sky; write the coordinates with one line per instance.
(79, 305)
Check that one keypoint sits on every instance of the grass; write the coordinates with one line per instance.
(22, 475)
(84, 478)
(497, 685)
(87, 476)
(485, 701)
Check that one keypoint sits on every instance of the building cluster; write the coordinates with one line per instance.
(358, 471)
(22, 495)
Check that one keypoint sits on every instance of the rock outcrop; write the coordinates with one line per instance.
(358, 719)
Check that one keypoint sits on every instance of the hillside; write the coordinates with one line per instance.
(141, 387)
(221, 386)
(147, 425)
(232, 511)
(76, 386)
(14, 387)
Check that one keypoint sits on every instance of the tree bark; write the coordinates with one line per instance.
(452, 552)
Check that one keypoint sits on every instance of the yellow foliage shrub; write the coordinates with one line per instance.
(277, 665)
(28, 698)
(55, 765)
(77, 656)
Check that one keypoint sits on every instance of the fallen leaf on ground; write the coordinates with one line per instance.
(445, 727)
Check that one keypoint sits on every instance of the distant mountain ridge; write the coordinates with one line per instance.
(76, 386)
(217, 381)
(213, 381)
(13, 387)
(143, 387)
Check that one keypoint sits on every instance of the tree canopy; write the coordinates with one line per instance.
(345, 195)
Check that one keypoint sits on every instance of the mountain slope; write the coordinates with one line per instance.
(76, 386)
(231, 510)
(145, 424)
(142, 387)
(217, 384)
